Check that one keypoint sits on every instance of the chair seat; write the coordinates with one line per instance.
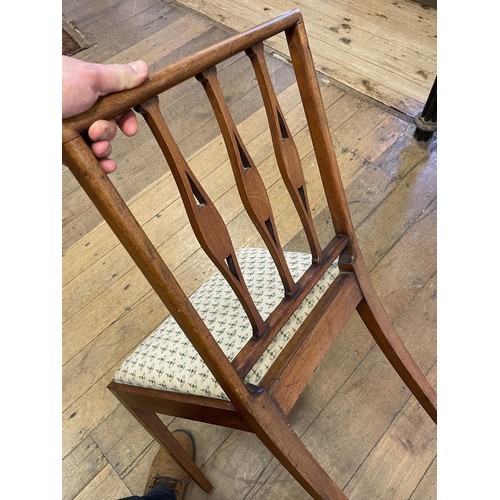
(167, 361)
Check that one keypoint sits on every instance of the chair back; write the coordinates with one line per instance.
(205, 219)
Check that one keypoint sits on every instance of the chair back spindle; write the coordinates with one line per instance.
(248, 180)
(285, 150)
(205, 220)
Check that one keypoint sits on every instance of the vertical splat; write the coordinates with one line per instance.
(206, 221)
(251, 188)
(286, 152)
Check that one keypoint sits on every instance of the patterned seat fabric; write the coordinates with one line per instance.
(166, 360)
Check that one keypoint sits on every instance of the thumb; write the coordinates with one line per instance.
(116, 77)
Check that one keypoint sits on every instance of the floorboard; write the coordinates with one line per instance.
(377, 432)
(385, 50)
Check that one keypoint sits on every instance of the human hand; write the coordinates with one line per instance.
(83, 83)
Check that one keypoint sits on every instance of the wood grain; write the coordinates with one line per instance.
(384, 50)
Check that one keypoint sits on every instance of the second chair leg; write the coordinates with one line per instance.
(153, 424)
(270, 425)
(380, 326)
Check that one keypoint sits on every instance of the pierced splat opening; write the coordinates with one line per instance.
(196, 192)
(303, 197)
(283, 130)
(243, 156)
(232, 266)
(270, 228)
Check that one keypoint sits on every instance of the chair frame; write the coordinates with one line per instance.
(259, 409)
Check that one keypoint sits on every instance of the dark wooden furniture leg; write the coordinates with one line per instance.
(426, 121)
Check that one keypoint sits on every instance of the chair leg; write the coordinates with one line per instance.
(153, 424)
(269, 423)
(380, 326)
(377, 321)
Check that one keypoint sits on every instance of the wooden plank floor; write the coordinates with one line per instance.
(385, 50)
(356, 416)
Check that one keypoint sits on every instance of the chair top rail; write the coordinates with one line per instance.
(113, 105)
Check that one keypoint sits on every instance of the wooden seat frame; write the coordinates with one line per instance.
(259, 409)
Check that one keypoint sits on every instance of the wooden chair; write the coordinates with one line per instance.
(240, 351)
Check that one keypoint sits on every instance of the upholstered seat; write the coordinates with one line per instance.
(166, 360)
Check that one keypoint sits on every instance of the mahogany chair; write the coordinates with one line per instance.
(240, 351)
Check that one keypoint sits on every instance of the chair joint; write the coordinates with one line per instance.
(347, 259)
(254, 389)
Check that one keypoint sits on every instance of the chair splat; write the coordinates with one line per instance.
(248, 180)
(205, 219)
(285, 149)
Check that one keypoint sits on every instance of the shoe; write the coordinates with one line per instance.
(165, 471)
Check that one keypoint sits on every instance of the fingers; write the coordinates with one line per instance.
(128, 124)
(108, 165)
(101, 149)
(116, 77)
(84, 83)
(102, 132)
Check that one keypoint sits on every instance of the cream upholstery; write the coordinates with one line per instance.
(166, 360)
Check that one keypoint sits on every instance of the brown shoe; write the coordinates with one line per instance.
(165, 471)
